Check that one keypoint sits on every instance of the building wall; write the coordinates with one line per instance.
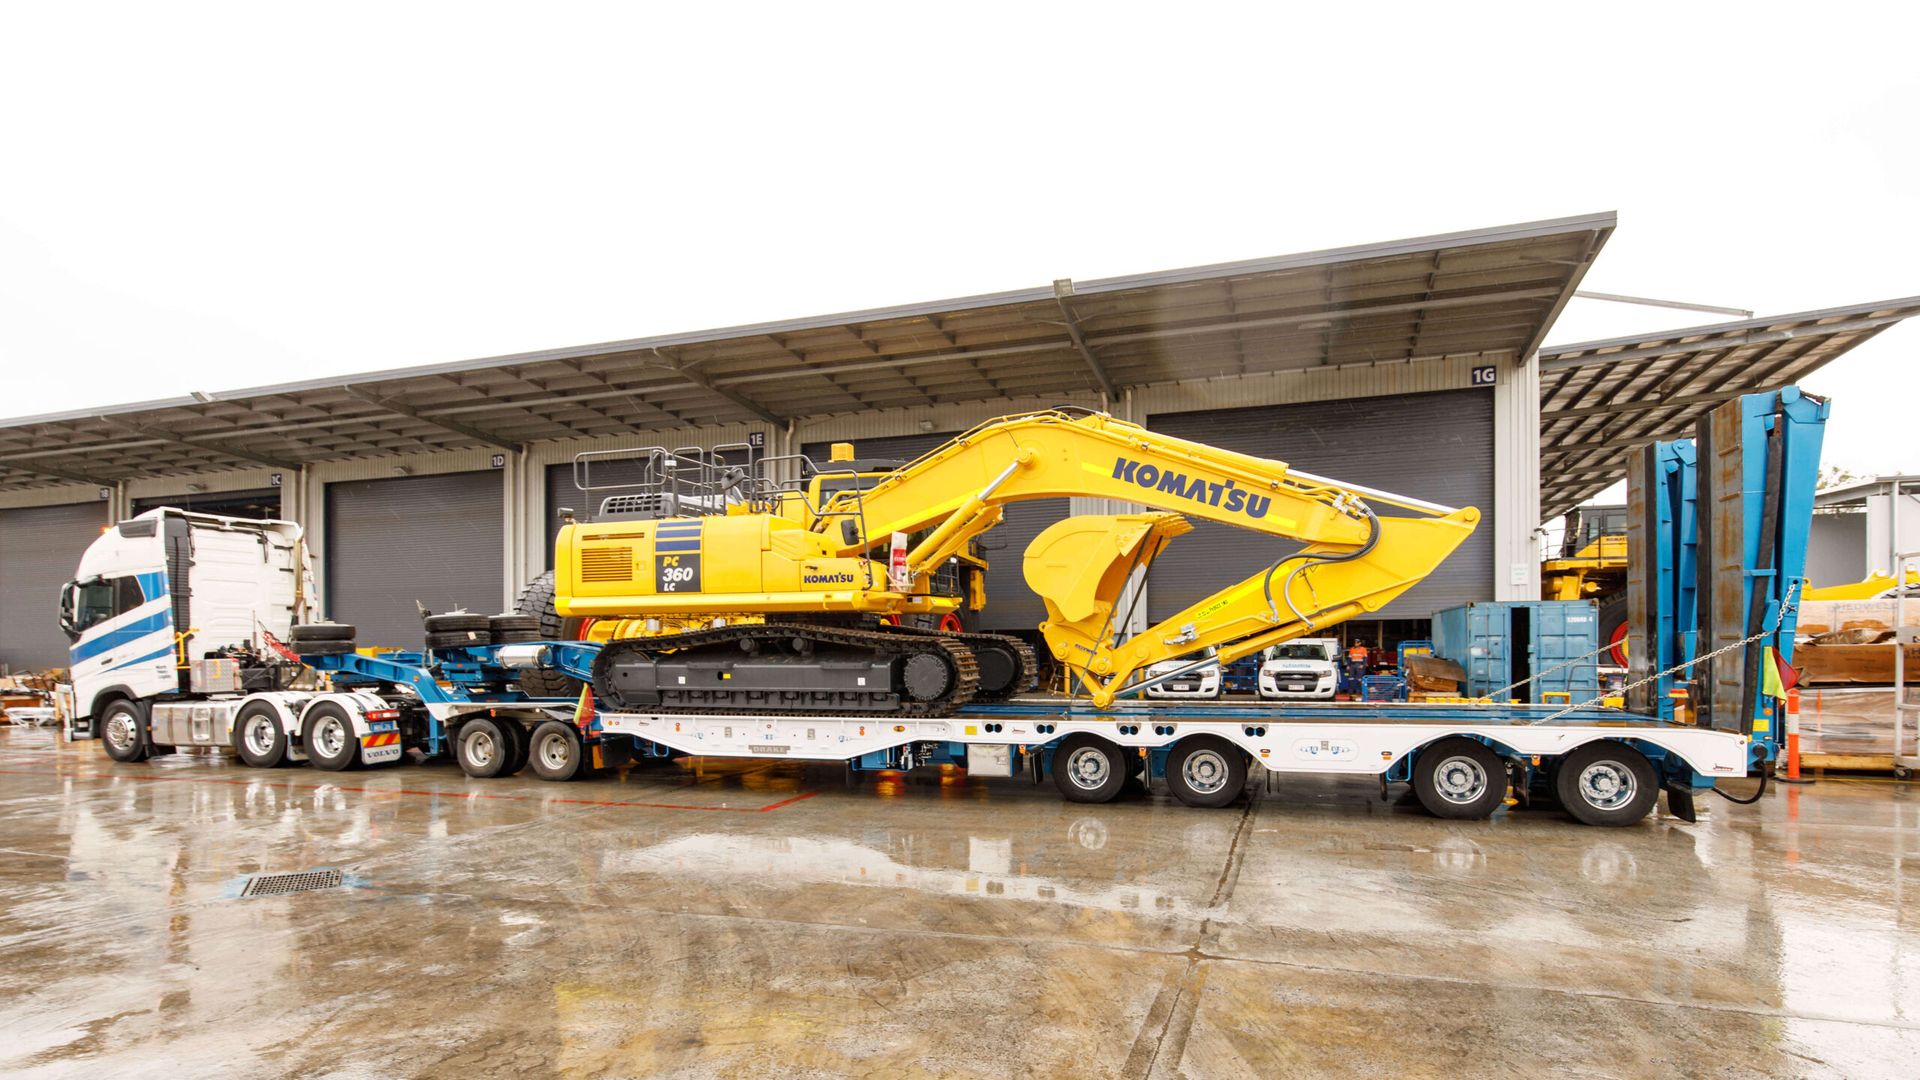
(526, 534)
(1837, 549)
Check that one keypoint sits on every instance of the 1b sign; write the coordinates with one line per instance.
(1483, 375)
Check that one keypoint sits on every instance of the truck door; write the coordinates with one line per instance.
(119, 638)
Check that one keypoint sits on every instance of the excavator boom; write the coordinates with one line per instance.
(1354, 561)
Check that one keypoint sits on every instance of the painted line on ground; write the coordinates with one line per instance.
(288, 784)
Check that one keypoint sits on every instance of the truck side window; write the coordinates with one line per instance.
(100, 600)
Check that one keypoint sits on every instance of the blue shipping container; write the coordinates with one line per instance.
(1499, 643)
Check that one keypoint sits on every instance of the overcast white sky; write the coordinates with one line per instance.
(210, 196)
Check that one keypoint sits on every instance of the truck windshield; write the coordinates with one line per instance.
(1298, 651)
(93, 602)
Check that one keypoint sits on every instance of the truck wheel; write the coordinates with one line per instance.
(520, 740)
(1460, 778)
(482, 748)
(329, 739)
(513, 629)
(557, 751)
(258, 737)
(322, 631)
(536, 600)
(456, 623)
(1089, 769)
(1607, 783)
(322, 647)
(1206, 770)
(459, 639)
(123, 727)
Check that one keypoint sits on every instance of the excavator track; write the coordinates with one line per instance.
(799, 669)
(1008, 666)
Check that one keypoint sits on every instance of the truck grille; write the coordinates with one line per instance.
(606, 564)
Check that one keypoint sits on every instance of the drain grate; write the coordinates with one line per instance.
(282, 884)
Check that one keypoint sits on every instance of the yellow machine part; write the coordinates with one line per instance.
(701, 568)
(1871, 587)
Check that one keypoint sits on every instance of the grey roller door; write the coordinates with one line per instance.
(563, 492)
(1010, 604)
(260, 503)
(435, 539)
(1437, 447)
(39, 548)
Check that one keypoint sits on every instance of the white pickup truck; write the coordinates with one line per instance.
(1304, 668)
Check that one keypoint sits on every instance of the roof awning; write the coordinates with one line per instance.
(1599, 398)
(1467, 293)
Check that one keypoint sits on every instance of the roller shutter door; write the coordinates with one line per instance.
(563, 492)
(260, 503)
(1010, 604)
(435, 539)
(1437, 447)
(39, 548)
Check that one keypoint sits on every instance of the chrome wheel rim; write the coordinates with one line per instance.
(481, 749)
(1088, 768)
(1205, 772)
(555, 751)
(259, 735)
(1607, 785)
(329, 737)
(1460, 779)
(120, 731)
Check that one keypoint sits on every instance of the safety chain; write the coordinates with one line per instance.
(1779, 617)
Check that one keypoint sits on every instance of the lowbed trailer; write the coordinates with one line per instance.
(1606, 767)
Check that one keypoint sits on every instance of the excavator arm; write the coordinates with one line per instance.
(1353, 561)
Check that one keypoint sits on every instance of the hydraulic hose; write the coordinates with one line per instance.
(1762, 790)
(1286, 587)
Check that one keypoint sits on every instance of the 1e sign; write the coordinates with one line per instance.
(1483, 375)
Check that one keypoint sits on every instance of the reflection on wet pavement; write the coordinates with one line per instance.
(765, 920)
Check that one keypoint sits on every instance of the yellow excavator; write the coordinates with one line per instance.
(745, 592)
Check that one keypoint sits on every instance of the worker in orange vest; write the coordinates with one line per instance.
(1358, 658)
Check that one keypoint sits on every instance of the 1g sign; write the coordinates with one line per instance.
(1483, 375)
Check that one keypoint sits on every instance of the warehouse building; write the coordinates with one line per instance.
(1414, 366)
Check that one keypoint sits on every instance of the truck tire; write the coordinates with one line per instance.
(1460, 778)
(536, 600)
(258, 736)
(322, 647)
(1613, 631)
(123, 728)
(1089, 769)
(557, 753)
(521, 740)
(463, 639)
(1607, 783)
(482, 748)
(323, 631)
(328, 738)
(1206, 770)
(455, 623)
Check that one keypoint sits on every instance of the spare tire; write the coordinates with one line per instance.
(456, 622)
(323, 648)
(536, 601)
(513, 623)
(465, 639)
(322, 631)
(1613, 632)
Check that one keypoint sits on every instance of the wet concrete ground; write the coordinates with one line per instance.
(763, 920)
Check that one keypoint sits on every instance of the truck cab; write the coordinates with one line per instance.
(173, 606)
(1301, 669)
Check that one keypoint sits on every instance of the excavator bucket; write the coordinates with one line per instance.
(1079, 565)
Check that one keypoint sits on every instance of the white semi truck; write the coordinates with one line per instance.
(195, 630)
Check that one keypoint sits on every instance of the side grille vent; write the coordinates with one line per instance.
(606, 563)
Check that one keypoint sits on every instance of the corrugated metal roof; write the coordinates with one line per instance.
(1484, 291)
(1598, 398)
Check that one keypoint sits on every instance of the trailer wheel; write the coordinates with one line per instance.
(1089, 769)
(123, 728)
(1607, 783)
(258, 737)
(520, 741)
(1206, 770)
(1460, 778)
(329, 739)
(557, 752)
(483, 748)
